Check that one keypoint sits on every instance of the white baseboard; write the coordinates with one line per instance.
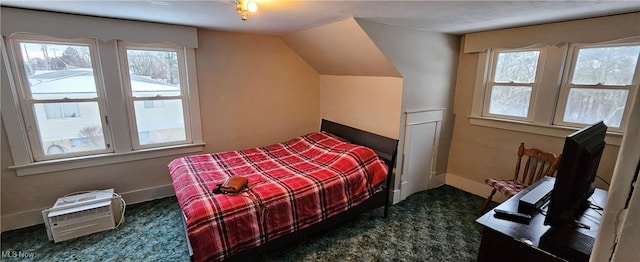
(148, 194)
(473, 187)
(437, 180)
(34, 217)
(396, 196)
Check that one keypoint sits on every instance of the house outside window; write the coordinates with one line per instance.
(155, 80)
(62, 110)
(64, 105)
(59, 85)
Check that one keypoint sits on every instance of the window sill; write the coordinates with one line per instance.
(103, 159)
(612, 138)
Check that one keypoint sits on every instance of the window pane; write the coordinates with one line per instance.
(62, 110)
(510, 100)
(606, 65)
(160, 124)
(58, 71)
(153, 103)
(154, 73)
(82, 132)
(588, 106)
(517, 67)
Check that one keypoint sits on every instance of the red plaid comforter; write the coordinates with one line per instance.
(297, 183)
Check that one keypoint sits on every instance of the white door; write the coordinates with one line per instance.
(420, 150)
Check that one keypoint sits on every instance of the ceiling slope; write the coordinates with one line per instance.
(340, 48)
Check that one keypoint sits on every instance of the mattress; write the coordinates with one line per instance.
(292, 185)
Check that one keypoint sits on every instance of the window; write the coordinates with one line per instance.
(513, 80)
(598, 85)
(564, 86)
(67, 112)
(59, 84)
(155, 81)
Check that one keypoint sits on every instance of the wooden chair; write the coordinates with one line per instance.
(537, 164)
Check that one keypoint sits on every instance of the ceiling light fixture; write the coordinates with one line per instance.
(244, 7)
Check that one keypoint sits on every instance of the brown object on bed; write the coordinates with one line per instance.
(233, 185)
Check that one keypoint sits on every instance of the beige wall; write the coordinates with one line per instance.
(364, 102)
(427, 61)
(479, 152)
(254, 91)
(592, 30)
(358, 85)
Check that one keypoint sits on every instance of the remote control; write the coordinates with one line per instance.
(512, 216)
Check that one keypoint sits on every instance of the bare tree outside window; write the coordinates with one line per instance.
(155, 81)
(156, 65)
(74, 58)
(588, 105)
(512, 85)
(517, 67)
(64, 95)
(606, 65)
(600, 81)
(510, 100)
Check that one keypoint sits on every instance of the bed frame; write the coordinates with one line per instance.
(385, 148)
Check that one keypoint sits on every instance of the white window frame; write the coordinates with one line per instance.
(116, 118)
(123, 46)
(490, 83)
(548, 96)
(567, 76)
(27, 102)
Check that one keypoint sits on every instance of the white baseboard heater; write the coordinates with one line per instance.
(79, 215)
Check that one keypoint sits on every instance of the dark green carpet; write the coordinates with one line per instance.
(433, 225)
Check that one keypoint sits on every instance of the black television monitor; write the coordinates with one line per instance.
(575, 175)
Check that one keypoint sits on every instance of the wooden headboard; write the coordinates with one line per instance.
(385, 147)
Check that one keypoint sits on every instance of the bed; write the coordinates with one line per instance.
(296, 188)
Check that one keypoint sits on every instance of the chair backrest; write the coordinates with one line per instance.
(537, 164)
